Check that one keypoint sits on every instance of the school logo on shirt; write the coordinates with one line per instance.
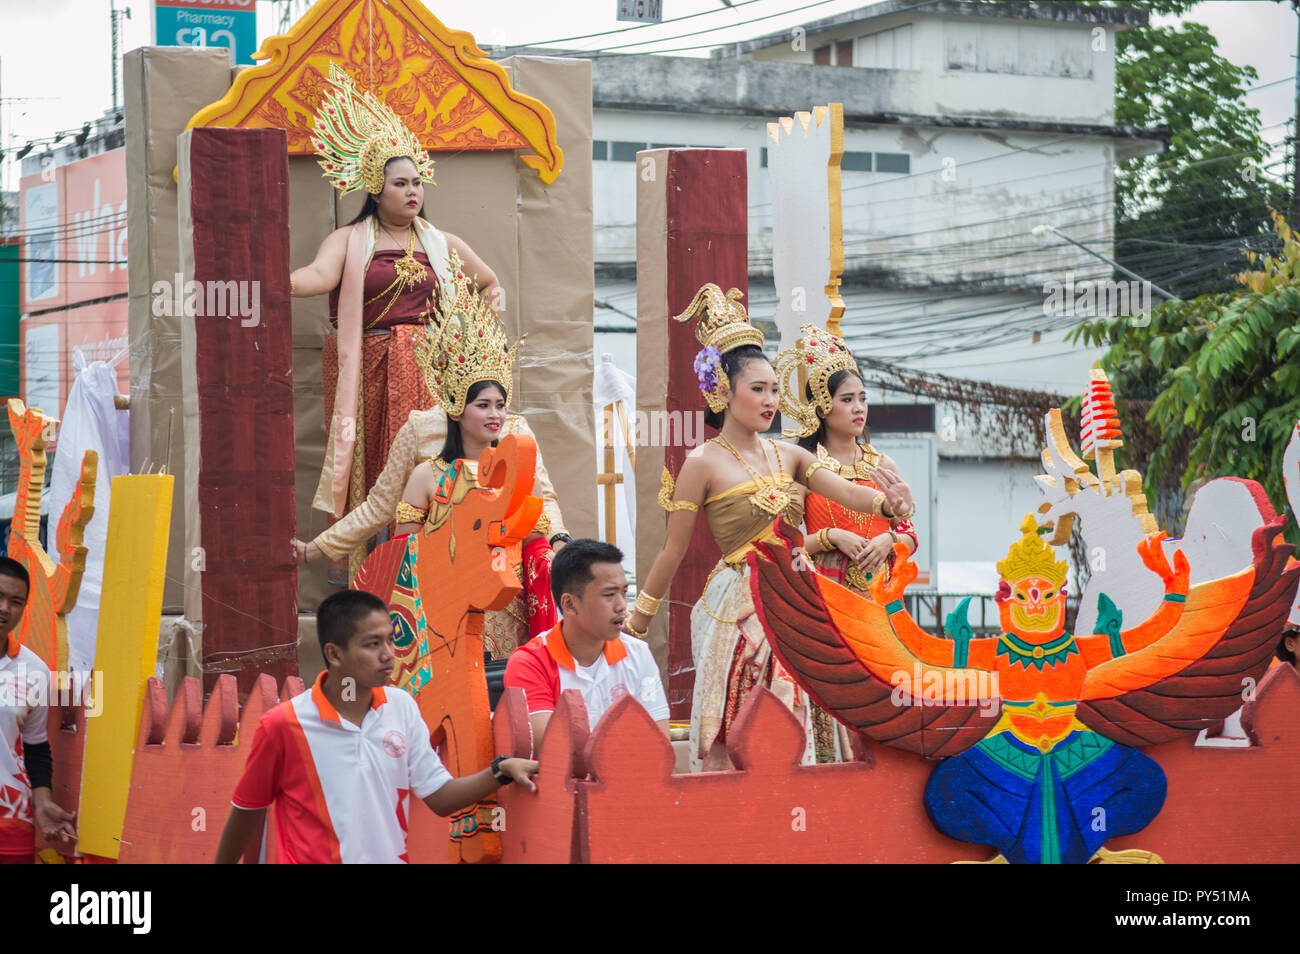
(395, 744)
(617, 692)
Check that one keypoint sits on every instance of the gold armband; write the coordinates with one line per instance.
(409, 513)
(814, 467)
(647, 605)
(667, 486)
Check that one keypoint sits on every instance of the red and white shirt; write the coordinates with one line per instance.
(24, 695)
(341, 791)
(543, 668)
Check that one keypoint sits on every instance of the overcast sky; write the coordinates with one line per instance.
(55, 54)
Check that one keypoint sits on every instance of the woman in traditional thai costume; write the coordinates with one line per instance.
(383, 272)
(742, 482)
(471, 414)
(477, 402)
(824, 402)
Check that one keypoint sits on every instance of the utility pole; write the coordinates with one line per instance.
(115, 15)
(1295, 125)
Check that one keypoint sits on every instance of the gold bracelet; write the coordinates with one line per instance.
(824, 540)
(647, 605)
(291, 288)
(639, 634)
(895, 537)
(878, 505)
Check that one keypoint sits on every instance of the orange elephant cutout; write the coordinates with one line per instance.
(438, 584)
(54, 588)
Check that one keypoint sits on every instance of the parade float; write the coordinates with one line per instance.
(1032, 745)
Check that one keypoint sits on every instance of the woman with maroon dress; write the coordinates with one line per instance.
(383, 272)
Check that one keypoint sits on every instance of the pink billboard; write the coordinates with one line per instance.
(74, 221)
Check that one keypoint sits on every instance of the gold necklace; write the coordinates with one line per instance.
(769, 496)
(409, 273)
(865, 457)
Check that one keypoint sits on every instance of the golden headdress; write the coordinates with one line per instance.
(723, 326)
(1031, 556)
(465, 345)
(355, 135)
(815, 358)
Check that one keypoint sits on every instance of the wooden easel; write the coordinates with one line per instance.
(609, 478)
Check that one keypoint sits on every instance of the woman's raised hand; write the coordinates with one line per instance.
(897, 494)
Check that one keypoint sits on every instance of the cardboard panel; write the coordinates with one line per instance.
(124, 654)
(164, 87)
(311, 219)
(557, 285)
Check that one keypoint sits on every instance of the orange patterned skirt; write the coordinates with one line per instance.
(391, 388)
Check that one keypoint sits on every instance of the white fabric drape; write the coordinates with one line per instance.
(613, 386)
(90, 422)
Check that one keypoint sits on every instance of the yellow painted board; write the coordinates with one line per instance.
(135, 564)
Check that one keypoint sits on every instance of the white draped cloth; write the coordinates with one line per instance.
(613, 386)
(90, 422)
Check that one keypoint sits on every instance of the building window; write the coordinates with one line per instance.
(886, 50)
(905, 418)
(625, 151)
(762, 158)
(899, 162)
(599, 150)
(856, 162)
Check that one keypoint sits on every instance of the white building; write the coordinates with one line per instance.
(967, 124)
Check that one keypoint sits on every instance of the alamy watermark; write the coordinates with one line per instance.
(22, 686)
(232, 299)
(946, 687)
(658, 428)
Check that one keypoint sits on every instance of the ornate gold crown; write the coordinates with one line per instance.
(820, 355)
(1031, 556)
(723, 324)
(356, 135)
(466, 344)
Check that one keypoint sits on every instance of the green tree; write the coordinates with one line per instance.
(1211, 386)
(1181, 216)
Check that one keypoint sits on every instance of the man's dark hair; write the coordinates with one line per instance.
(338, 616)
(571, 568)
(11, 567)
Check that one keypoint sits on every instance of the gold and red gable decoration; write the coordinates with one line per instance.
(437, 80)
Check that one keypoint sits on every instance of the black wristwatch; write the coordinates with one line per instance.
(501, 777)
(560, 536)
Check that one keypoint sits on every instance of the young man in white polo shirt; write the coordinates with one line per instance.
(341, 760)
(26, 765)
(587, 650)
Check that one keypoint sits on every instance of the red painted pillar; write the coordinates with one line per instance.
(237, 372)
(692, 228)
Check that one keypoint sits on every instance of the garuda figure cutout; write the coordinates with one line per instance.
(1036, 725)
